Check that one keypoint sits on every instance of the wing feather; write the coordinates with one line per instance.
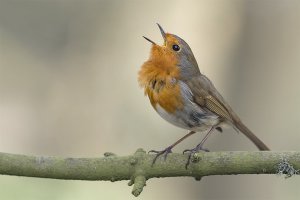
(206, 95)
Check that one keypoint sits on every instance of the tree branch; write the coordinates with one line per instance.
(137, 167)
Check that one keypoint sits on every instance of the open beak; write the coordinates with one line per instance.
(163, 33)
(149, 40)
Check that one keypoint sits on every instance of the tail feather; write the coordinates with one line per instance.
(258, 143)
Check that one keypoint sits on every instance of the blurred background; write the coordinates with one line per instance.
(68, 87)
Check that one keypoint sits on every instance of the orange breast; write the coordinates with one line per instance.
(158, 76)
(168, 97)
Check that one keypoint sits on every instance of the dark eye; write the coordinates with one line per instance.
(176, 47)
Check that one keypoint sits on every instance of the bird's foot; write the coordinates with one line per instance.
(164, 152)
(191, 152)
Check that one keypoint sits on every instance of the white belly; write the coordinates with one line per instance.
(191, 117)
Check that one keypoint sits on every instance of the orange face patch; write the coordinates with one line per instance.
(170, 41)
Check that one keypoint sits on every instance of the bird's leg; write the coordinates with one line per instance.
(199, 147)
(168, 150)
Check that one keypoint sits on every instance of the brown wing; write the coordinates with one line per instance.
(215, 106)
(206, 95)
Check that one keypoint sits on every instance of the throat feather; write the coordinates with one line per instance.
(160, 82)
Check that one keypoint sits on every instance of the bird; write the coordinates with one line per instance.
(185, 97)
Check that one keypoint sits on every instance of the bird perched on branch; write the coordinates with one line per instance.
(183, 96)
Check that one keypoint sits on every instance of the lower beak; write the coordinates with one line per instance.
(149, 40)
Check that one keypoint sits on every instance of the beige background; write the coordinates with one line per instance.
(68, 87)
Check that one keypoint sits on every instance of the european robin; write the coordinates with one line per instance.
(185, 97)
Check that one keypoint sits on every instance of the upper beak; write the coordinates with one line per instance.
(163, 33)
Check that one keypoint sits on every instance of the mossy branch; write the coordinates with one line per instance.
(137, 167)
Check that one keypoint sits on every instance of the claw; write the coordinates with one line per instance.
(164, 152)
(195, 150)
(188, 161)
(187, 150)
(191, 152)
(153, 151)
